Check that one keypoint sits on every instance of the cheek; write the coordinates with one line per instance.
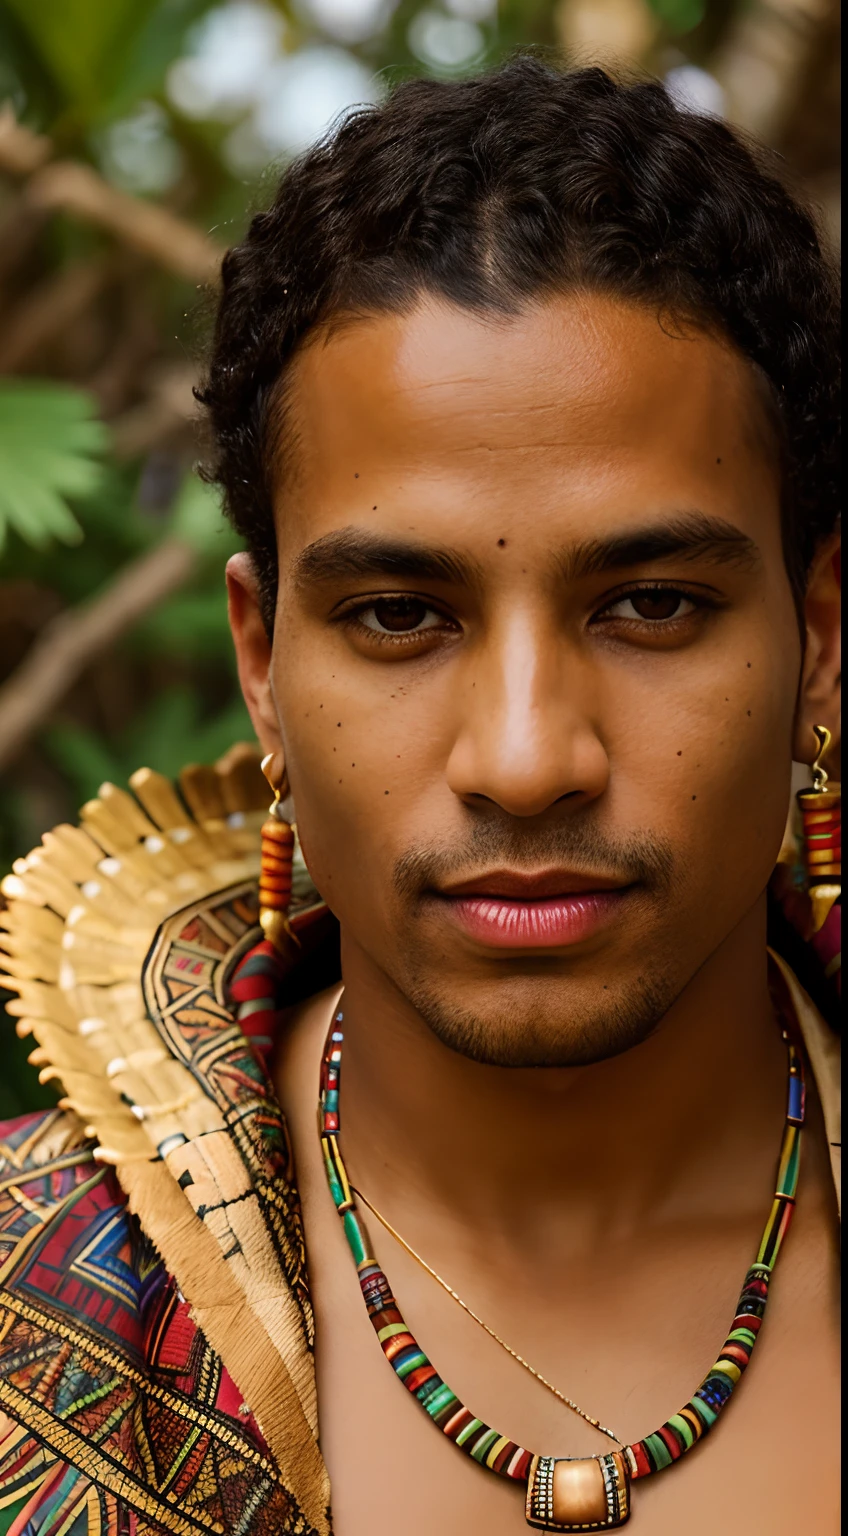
(339, 766)
(719, 774)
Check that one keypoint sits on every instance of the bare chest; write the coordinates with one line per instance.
(771, 1464)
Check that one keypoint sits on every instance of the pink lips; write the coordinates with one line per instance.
(525, 912)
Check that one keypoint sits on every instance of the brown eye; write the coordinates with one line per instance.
(656, 604)
(399, 616)
(652, 605)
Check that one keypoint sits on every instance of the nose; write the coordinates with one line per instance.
(528, 737)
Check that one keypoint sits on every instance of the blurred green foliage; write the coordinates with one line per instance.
(51, 449)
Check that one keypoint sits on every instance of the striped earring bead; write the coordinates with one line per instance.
(275, 881)
(564, 1493)
(821, 824)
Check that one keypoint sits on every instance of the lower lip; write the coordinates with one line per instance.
(501, 923)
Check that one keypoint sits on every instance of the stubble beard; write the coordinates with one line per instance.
(535, 1022)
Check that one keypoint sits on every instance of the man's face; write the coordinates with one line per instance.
(535, 662)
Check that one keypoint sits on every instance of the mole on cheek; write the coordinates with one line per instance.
(501, 543)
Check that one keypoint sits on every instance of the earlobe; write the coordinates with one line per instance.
(819, 697)
(253, 649)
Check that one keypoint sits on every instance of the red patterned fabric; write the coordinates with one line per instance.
(116, 1417)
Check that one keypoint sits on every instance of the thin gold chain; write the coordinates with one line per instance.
(537, 1375)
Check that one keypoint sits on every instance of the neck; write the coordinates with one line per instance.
(679, 1127)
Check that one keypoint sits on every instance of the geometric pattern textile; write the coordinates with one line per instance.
(133, 1426)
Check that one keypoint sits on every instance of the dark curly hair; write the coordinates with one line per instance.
(522, 181)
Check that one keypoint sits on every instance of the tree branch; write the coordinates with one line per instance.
(49, 309)
(74, 638)
(78, 189)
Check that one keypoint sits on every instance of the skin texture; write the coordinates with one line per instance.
(525, 1115)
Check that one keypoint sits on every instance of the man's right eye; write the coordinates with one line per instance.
(399, 616)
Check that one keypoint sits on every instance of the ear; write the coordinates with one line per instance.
(819, 693)
(253, 650)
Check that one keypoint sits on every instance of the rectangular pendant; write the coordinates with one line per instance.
(578, 1493)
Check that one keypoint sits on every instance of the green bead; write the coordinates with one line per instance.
(440, 1400)
(744, 1336)
(411, 1364)
(684, 1429)
(704, 1411)
(659, 1451)
(484, 1445)
(353, 1233)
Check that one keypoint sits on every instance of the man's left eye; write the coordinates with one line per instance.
(652, 604)
(399, 616)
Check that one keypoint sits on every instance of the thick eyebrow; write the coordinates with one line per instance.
(355, 552)
(691, 535)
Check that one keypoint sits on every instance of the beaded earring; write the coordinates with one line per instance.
(821, 822)
(275, 870)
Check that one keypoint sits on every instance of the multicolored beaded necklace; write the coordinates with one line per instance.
(563, 1493)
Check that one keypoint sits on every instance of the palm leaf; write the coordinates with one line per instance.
(51, 445)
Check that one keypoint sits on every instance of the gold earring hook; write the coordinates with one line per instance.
(280, 787)
(824, 738)
(265, 765)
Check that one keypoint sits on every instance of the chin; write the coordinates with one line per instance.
(535, 1022)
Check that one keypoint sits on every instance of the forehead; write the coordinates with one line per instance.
(576, 408)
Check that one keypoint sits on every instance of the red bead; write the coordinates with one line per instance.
(455, 1425)
(736, 1352)
(521, 1470)
(746, 1320)
(396, 1343)
(671, 1440)
(643, 1466)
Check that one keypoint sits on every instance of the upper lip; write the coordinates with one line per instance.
(519, 885)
